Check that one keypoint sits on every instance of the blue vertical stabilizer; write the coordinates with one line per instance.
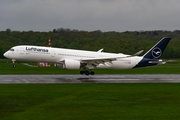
(157, 50)
(153, 55)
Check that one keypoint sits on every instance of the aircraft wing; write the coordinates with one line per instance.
(93, 62)
(100, 60)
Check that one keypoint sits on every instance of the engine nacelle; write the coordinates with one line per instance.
(71, 64)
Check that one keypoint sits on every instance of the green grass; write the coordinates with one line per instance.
(89, 101)
(6, 68)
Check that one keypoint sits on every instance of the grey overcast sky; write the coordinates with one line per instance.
(90, 15)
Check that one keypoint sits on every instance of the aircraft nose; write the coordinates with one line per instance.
(5, 54)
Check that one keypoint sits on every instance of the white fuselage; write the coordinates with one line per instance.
(56, 55)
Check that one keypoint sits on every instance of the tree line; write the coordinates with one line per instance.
(128, 42)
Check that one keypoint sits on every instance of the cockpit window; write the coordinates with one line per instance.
(11, 49)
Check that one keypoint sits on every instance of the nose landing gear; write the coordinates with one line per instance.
(14, 64)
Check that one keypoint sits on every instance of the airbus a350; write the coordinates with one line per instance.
(87, 60)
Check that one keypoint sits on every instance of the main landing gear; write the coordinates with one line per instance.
(87, 72)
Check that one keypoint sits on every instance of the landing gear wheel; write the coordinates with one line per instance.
(86, 72)
(82, 72)
(14, 66)
(92, 73)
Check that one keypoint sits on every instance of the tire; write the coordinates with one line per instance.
(86, 72)
(92, 73)
(82, 72)
(14, 66)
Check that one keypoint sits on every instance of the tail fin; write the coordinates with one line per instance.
(157, 50)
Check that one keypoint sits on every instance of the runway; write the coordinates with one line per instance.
(121, 78)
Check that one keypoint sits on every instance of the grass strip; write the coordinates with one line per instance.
(90, 101)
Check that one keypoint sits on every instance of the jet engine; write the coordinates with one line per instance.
(71, 64)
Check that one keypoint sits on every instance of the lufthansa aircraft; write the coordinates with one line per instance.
(88, 60)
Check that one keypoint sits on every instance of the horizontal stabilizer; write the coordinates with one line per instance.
(157, 62)
(138, 53)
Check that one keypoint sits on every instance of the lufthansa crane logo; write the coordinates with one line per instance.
(156, 52)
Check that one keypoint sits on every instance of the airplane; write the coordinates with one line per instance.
(75, 59)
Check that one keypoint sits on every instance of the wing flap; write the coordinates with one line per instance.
(103, 59)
